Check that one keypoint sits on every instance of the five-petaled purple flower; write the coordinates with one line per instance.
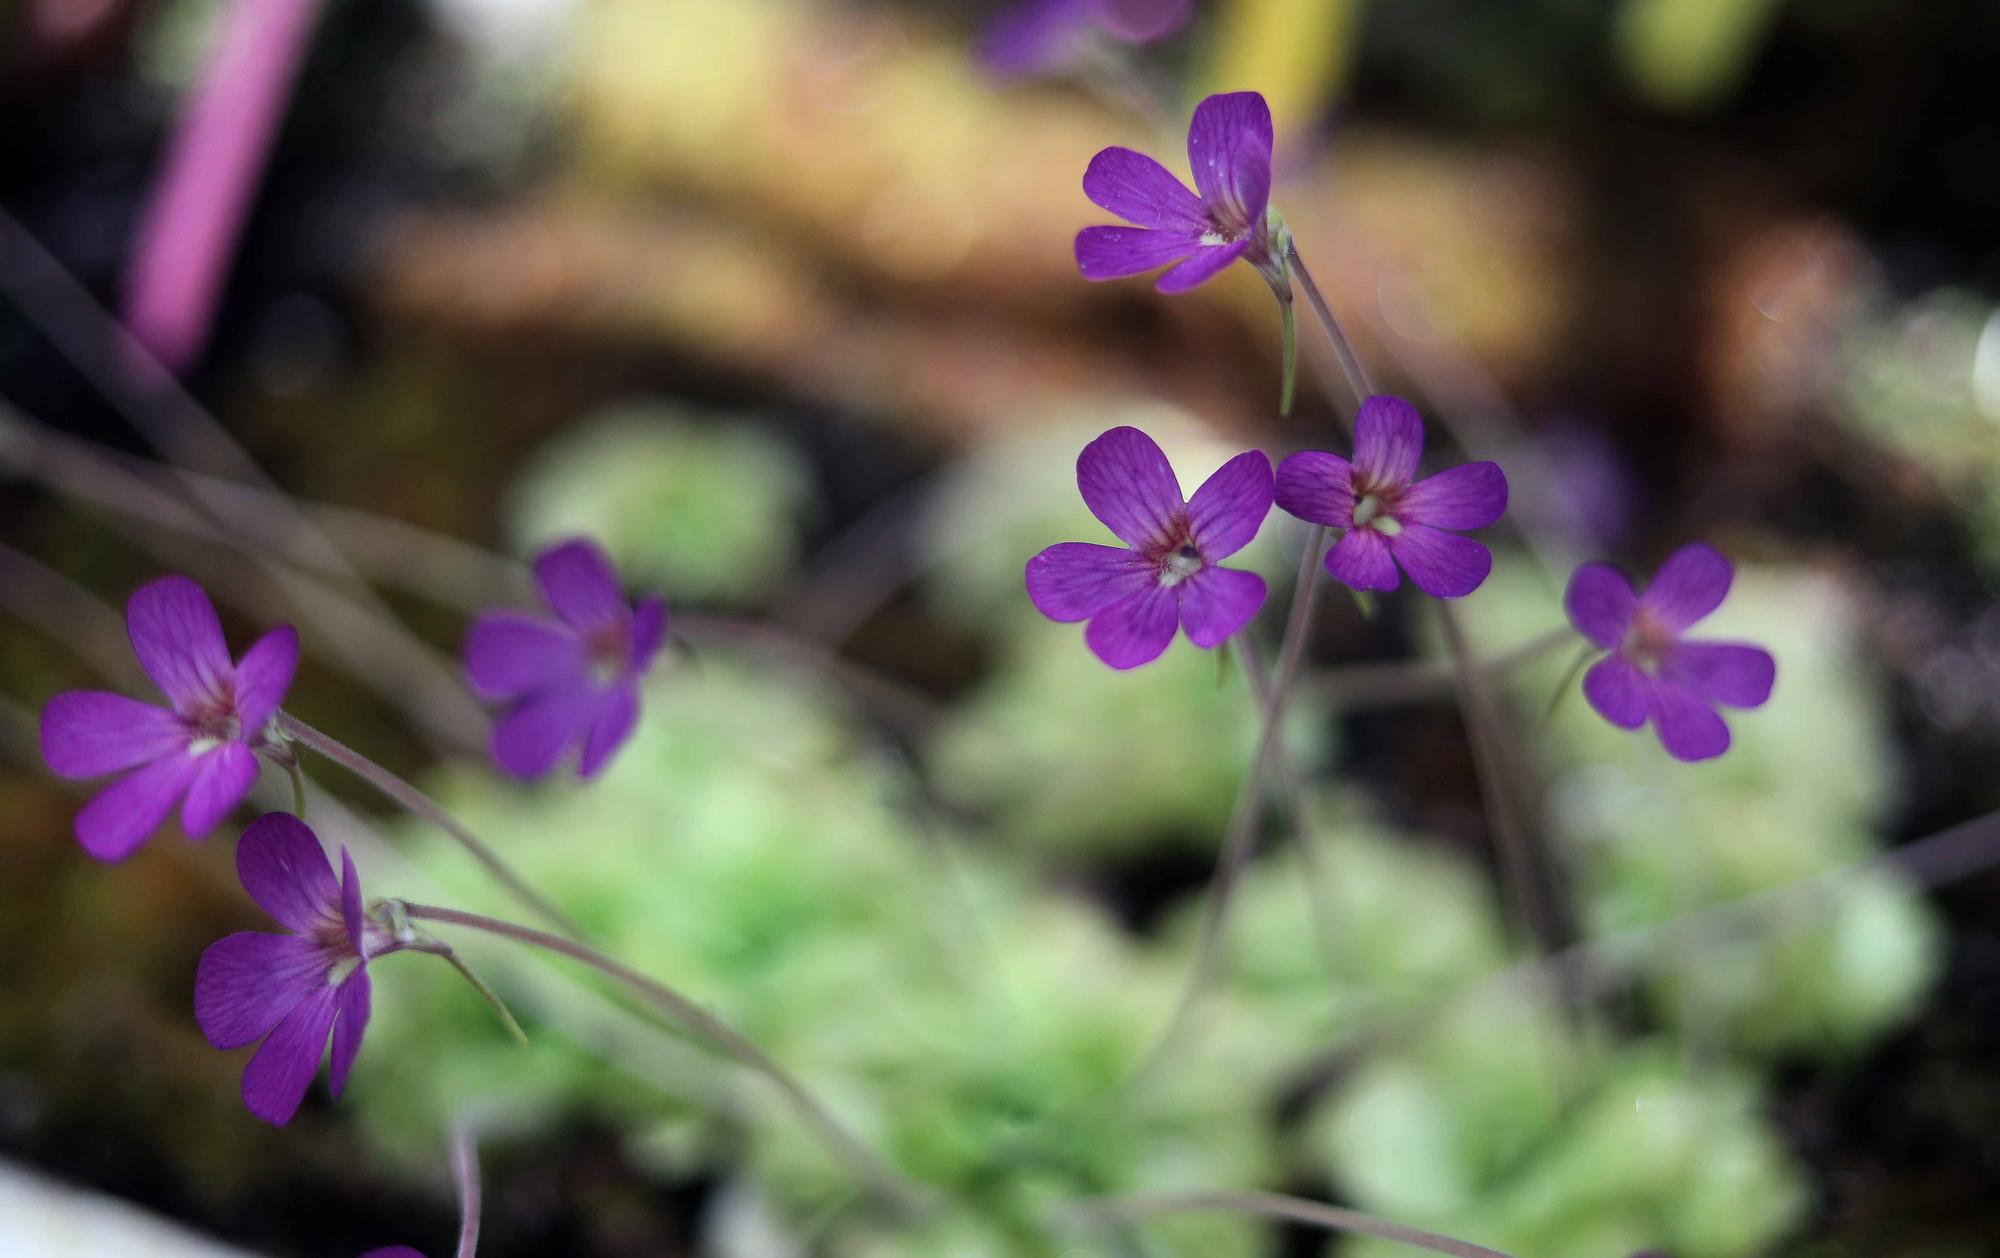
(1651, 673)
(1166, 574)
(571, 679)
(203, 749)
(1043, 36)
(291, 990)
(1229, 148)
(1391, 518)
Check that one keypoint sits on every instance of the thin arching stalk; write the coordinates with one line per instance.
(1290, 1209)
(866, 1164)
(409, 797)
(465, 1169)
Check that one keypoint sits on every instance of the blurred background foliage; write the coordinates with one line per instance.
(776, 299)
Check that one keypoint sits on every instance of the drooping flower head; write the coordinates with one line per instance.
(291, 990)
(1390, 517)
(1229, 149)
(201, 753)
(1049, 36)
(1167, 574)
(572, 679)
(1652, 673)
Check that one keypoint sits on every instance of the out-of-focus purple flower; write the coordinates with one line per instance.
(1390, 517)
(203, 750)
(572, 679)
(197, 209)
(291, 990)
(1166, 574)
(393, 1251)
(1229, 149)
(1651, 673)
(1049, 36)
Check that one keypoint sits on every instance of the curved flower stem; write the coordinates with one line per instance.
(465, 1169)
(865, 1164)
(1291, 1209)
(401, 792)
(1350, 366)
(298, 777)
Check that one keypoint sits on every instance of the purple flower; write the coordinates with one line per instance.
(291, 990)
(1650, 671)
(1389, 517)
(393, 1251)
(1229, 148)
(572, 679)
(1045, 36)
(1166, 574)
(202, 751)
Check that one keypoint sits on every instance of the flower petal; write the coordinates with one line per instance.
(529, 741)
(1135, 631)
(1127, 483)
(1618, 691)
(1443, 565)
(1229, 148)
(1361, 560)
(125, 813)
(649, 631)
(1734, 673)
(245, 983)
(1036, 37)
(1143, 21)
(1600, 603)
(1388, 442)
(1109, 253)
(1141, 191)
(1689, 729)
(89, 732)
(508, 654)
(1319, 487)
(1229, 508)
(1469, 496)
(178, 640)
(1073, 581)
(282, 1069)
(616, 716)
(352, 1009)
(1200, 268)
(1689, 585)
(223, 776)
(263, 676)
(1216, 602)
(284, 869)
(580, 585)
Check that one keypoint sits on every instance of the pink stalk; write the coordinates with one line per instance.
(191, 225)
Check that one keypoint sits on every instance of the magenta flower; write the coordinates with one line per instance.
(1391, 518)
(1166, 574)
(572, 679)
(291, 990)
(1047, 36)
(1650, 671)
(203, 751)
(1229, 149)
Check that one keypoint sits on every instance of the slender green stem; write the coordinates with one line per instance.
(491, 997)
(1350, 365)
(298, 787)
(1568, 678)
(866, 1165)
(409, 797)
(465, 1169)
(1288, 384)
(1290, 1209)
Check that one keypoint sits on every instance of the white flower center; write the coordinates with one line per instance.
(1179, 566)
(1368, 513)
